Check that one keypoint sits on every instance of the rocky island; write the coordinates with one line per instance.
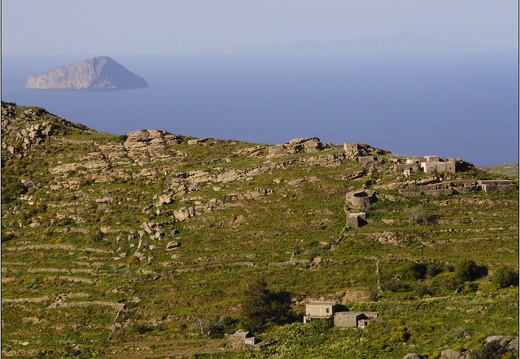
(97, 73)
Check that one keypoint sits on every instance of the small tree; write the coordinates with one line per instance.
(261, 307)
(211, 327)
(468, 270)
(505, 277)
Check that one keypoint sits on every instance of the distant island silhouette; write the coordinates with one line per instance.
(97, 73)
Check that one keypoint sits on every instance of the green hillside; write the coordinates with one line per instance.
(136, 246)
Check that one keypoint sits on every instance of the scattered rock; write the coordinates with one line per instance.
(139, 255)
(197, 141)
(142, 244)
(184, 213)
(451, 354)
(413, 356)
(172, 245)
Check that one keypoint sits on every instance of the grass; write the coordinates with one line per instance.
(249, 233)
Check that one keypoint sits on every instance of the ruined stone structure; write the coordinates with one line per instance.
(242, 339)
(496, 185)
(360, 199)
(436, 187)
(356, 220)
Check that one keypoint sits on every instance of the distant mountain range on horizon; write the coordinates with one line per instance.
(399, 43)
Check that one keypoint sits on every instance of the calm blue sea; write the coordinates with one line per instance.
(462, 105)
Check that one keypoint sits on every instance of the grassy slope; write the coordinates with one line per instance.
(68, 245)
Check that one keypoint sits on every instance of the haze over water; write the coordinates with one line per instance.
(463, 105)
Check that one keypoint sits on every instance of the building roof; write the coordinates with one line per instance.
(350, 314)
(317, 302)
(241, 334)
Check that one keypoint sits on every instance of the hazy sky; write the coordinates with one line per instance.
(174, 26)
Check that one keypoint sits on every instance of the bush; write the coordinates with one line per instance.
(140, 328)
(505, 277)
(399, 333)
(491, 350)
(468, 270)
(11, 189)
(434, 269)
(413, 271)
(395, 285)
(419, 215)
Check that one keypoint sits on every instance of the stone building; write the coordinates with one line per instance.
(350, 319)
(353, 319)
(356, 220)
(325, 311)
(318, 310)
(242, 338)
(435, 164)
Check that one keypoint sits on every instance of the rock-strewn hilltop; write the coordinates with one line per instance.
(97, 73)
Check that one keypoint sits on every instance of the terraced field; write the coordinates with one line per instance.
(122, 246)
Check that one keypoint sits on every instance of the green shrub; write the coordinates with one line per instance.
(140, 328)
(504, 277)
(11, 189)
(433, 269)
(491, 350)
(413, 271)
(468, 270)
(399, 333)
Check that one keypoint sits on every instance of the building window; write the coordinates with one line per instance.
(327, 310)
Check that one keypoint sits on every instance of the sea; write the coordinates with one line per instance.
(462, 105)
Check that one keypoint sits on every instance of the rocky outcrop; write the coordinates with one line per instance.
(297, 145)
(496, 346)
(98, 73)
(361, 151)
(25, 128)
(151, 145)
